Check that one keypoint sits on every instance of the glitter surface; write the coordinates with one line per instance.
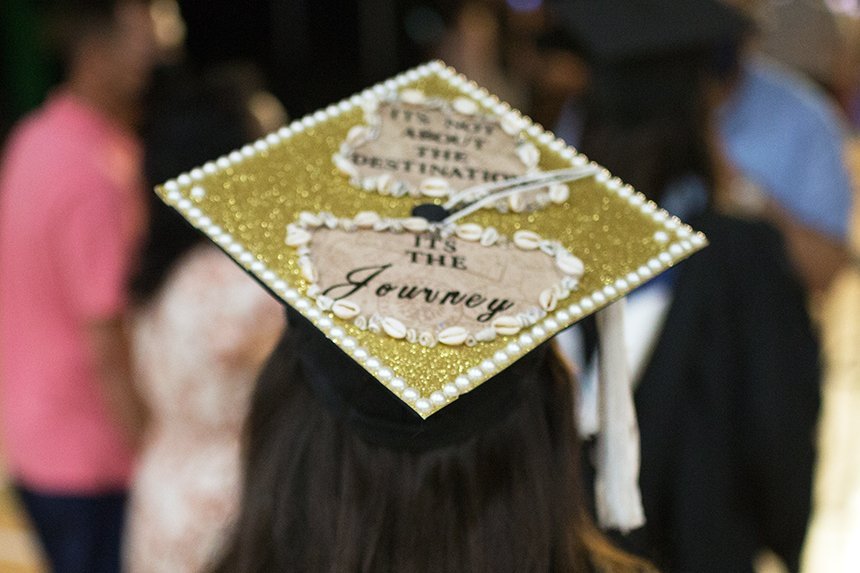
(255, 198)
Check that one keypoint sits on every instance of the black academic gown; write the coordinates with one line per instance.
(727, 409)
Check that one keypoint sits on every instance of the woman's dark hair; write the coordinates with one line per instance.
(317, 497)
(192, 120)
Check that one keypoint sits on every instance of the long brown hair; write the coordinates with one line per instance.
(317, 497)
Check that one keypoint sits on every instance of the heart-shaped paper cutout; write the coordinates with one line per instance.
(431, 283)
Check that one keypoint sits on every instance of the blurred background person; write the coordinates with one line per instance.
(722, 349)
(201, 332)
(784, 134)
(71, 214)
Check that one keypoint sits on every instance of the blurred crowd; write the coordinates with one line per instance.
(129, 345)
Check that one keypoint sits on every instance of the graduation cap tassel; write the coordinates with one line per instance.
(619, 502)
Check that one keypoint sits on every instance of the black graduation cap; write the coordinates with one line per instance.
(614, 31)
(647, 55)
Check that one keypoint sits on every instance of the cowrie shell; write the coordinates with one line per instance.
(506, 325)
(512, 123)
(384, 183)
(366, 219)
(435, 187)
(517, 202)
(489, 236)
(393, 328)
(411, 335)
(324, 302)
(469, 231)
(308, 219)
(344, 165)
(569, 264)
(527, 240)
(346, 309)
(307, 269)
(453, 336)
(465, 106)
(528, 154)
(486, 335)
(415, 224)
(356, 135)
(548, 299)
(559, 192)
(412, 96)
(296, 236)
(427, 339)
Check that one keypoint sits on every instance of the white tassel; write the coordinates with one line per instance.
(619, 501)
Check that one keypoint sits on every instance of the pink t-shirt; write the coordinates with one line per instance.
(71, 212)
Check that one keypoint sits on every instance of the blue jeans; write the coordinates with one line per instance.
(79, 534)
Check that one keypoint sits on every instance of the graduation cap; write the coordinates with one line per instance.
(428, 237)
(646, 55)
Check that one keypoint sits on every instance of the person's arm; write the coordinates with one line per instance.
(108, 342)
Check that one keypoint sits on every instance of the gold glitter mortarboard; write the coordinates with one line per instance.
(342, 183)
(430, 231)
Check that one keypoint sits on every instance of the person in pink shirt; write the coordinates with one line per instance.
(71, 215)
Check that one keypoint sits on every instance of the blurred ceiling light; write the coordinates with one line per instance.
(169, 25)
(524, 5)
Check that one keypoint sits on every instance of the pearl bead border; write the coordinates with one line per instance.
(680, 239)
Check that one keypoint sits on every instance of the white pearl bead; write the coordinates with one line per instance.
(655, 265)
(488, 366)
(587, 304)
(223, 162)
(282, 286)
(325, 323)
(285, 132)
(474, 374)
(336, 332)
(450, 390)
(526, 340)
(273, 139)
(538, 332)
(500, 357)
(246, 258)
(360, 353)
(661, 237)
(258, 267)
(209, 168)
(410, 394)
(372, 363)
(462, 382)
(384, 374)
(398, 383)
(349, 342)
(422, 404)
(550, 323)
(676, 250)
(235, 157)
(665, 258)
(598, 297)
(184, 179)
(610, 291)
(437, 398)
(575, 310)
(313, 313)
(303, 304)
(184, 204)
